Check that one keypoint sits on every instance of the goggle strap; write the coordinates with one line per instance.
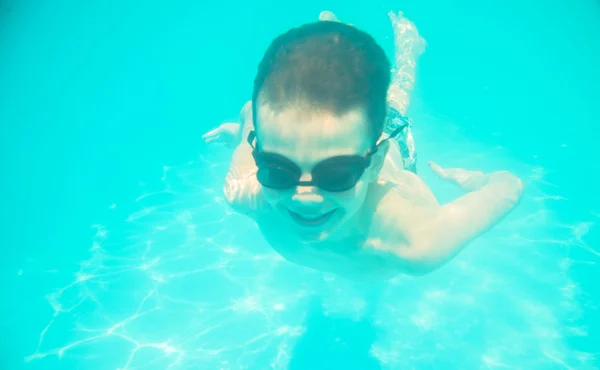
(252, 139)
(398, 130)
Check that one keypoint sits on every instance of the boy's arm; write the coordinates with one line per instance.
(242, 190)
(427, 238)
(459, 222)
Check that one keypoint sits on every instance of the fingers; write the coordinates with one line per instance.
(209, 134)
(212, 135)
(211, 139)
(438, 170)
(465, 179)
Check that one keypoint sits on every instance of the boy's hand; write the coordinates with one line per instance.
(465, 179)
(227, 134)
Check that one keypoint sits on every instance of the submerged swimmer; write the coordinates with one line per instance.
(320, 165)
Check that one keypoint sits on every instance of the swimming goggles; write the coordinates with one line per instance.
(335, 174)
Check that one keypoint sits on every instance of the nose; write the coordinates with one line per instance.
(307, 194)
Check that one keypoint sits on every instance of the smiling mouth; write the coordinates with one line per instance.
(311, 221)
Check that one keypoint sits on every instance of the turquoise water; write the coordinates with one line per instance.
(117, 250)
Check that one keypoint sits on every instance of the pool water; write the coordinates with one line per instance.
(118, 251)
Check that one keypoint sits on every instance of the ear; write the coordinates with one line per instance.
(377, 162)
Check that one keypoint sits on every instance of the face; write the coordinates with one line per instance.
(307, 138)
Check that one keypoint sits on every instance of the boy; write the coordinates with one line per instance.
(318, 169)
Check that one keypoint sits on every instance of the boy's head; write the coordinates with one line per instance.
(319, 106)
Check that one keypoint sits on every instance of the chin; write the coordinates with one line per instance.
(312, 237)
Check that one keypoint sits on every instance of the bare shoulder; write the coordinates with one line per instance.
(407, 185)
(403, 210)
